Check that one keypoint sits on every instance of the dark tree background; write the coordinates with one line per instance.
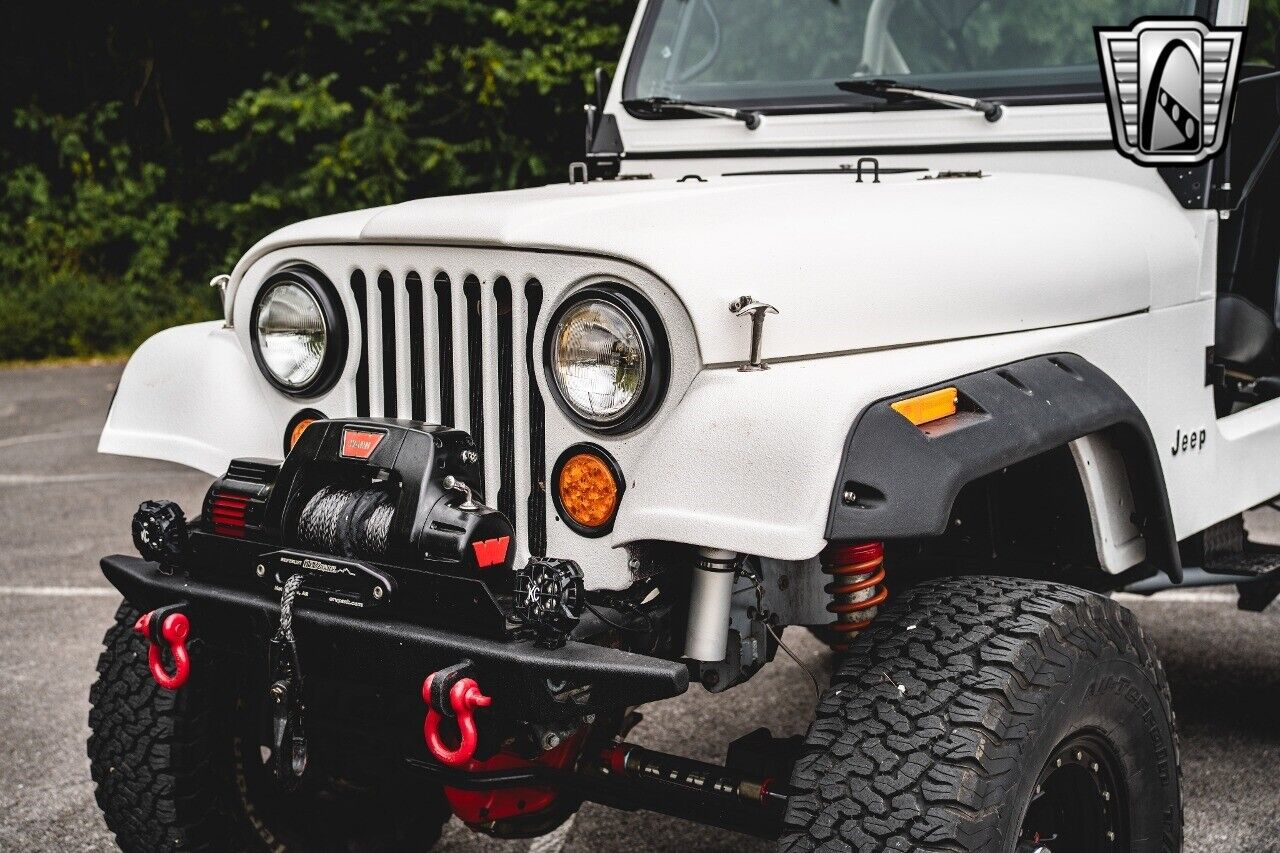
(145, 144)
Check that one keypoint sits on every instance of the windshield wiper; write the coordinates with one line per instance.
(750, 118)
(892, 91)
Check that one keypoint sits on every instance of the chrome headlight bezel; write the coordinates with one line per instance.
(322, 291)
(656, 352)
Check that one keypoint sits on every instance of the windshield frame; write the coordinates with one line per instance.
(848, 102)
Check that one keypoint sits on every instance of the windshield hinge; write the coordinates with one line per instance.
(604, 148)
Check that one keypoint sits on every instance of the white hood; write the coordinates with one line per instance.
(850, 266)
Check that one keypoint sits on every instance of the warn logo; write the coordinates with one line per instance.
(491, 552)
(359, 443)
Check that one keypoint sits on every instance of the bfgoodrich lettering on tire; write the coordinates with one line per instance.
(986, 713)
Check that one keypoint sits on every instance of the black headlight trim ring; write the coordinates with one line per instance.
(335, 321)
(653, 337)
(614, 468)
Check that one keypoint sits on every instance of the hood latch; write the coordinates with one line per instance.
(758, 311)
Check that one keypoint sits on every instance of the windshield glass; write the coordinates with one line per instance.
(788, 53)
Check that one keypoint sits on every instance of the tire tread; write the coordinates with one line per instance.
(916, 743)
(148, 752)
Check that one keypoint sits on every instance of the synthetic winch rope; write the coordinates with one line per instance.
(285, 631)
(347, 522)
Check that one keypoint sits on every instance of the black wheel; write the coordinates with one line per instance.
(177, 771)
(992, 714)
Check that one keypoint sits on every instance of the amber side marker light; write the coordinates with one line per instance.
(588, 488)
(930, 407)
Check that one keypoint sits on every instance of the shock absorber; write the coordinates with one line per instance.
(857, 590)
(709, 605)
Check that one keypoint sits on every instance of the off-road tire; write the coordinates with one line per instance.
(938, 723)
(170, 771)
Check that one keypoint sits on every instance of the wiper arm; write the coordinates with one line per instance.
(750, 118)
(890, 90)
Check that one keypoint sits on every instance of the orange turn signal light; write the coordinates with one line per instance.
(298, 425)
(930, 407)
(298, 429)
(588, 489)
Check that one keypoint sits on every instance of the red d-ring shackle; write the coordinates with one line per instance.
(169, 626)
(464, 698)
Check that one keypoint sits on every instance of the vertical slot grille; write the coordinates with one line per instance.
(361, 295)
(537, 428)
(386, 290)
(444, 328)
(417, 348)
(473, 344)
(506, 400)
(475, 365)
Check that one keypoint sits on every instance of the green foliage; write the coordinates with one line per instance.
(85, 246)
(147, 145)
(1261, 45)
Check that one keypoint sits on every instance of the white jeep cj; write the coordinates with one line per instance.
(853, 318)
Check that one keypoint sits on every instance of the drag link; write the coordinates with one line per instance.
(630, 777)
(636, 762)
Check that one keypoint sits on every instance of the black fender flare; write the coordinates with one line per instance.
(903, 481)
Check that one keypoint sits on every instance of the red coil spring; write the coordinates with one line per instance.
(858, 588)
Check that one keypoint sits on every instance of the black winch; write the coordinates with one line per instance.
(371, 513)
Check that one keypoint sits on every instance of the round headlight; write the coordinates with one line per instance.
(606, 357)
(297, 332)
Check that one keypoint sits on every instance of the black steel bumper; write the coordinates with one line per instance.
(526, 681)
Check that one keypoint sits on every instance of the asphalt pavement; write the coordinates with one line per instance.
(62, 506)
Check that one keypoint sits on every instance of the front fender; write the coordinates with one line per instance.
(189, 395)
(748, 461)
(905, 479)
(745, 462)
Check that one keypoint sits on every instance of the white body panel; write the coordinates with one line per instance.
(189, 395)
(857, 266)
(1062, 246)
